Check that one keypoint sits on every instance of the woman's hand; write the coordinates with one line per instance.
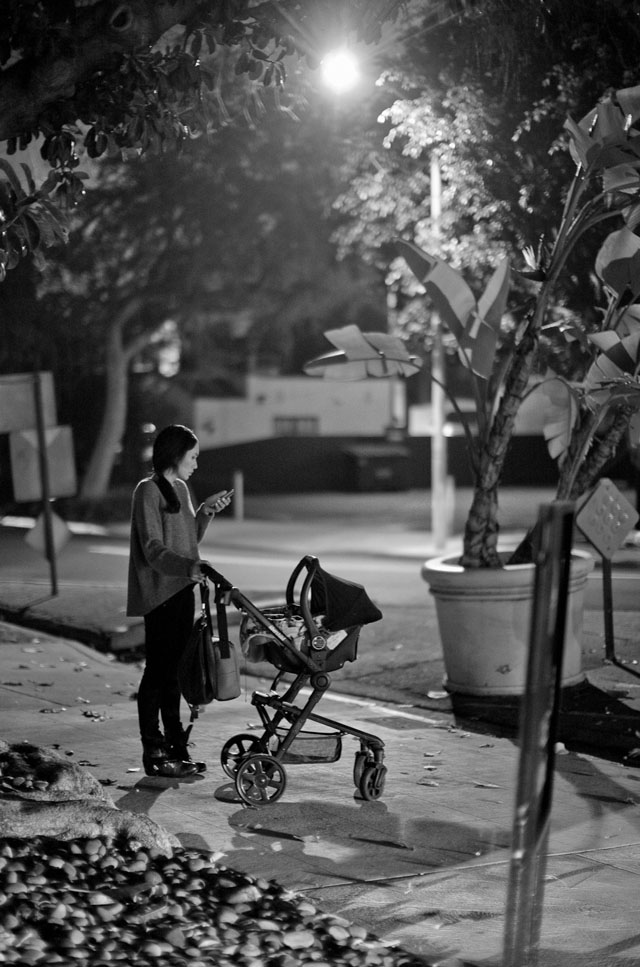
(197, 573)
(217, 502)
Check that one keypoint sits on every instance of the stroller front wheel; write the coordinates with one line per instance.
(372, 780)
(236, 749)
(260, 779)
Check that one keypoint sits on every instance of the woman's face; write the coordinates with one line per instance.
(188, 463)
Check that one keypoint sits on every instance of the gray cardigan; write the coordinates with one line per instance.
(163, 547)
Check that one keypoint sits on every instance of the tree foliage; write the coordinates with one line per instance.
(126, 77)
(222, 250)
(486, 91)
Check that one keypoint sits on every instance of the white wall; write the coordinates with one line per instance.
(360, 408)
(529, 421)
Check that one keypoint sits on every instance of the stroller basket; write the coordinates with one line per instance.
(312, 747)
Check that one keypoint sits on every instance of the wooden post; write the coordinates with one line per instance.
(538, 727)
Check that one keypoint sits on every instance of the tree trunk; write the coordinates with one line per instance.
(481, 530)
(118, 356)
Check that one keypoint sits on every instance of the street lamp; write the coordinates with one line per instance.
(340, 70)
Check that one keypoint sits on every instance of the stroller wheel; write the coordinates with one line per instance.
(260, 779)
(372, 781)
(359, 765)
(237, 748)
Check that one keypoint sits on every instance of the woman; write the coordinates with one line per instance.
(164, 567)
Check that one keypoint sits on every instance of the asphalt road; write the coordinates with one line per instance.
(103, 560)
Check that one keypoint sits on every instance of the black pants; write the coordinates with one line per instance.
(167, 629)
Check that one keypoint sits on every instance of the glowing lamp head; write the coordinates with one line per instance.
(340, 71)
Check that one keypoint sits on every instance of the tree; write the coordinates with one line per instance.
(229, 231)
(491, 109)
(129, 80)
(134, 76)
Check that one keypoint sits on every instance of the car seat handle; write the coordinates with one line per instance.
(311, 563)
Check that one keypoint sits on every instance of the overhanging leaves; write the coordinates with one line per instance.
(457, 307)
(561, 413)
(618, 264)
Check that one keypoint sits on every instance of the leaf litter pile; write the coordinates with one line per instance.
(100, 901)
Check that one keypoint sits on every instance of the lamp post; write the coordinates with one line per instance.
(439, 497)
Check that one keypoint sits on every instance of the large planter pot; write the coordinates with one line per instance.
(484, 620)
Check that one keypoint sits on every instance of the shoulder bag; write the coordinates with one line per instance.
(209, 668)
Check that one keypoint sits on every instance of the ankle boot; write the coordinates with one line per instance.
(178, 748)
(158, 762)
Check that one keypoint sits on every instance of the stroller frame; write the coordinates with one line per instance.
(255, 762)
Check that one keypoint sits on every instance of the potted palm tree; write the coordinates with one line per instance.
(586, 421)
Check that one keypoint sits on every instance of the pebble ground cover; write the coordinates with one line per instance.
(102, 901)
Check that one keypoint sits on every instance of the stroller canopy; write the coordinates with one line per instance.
(343, 603)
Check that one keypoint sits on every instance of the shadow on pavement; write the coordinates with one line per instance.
(591, 721)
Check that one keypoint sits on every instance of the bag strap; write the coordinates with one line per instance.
(221, 614)
(206, 611)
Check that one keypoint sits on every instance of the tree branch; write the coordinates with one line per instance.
(101, 34)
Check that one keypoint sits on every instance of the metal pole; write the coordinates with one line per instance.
(607, 601)
(439, 515)
(49, 544)
(238, 497)
(538, 728)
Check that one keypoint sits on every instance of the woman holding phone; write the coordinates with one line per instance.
(164, 567)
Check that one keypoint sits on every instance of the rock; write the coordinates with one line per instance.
(56, 798)
(38, 773)
(79, 819)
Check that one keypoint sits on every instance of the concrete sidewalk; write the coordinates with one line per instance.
(425, 866)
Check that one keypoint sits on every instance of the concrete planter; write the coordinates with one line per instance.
(484, 617)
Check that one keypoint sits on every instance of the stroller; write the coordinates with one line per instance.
(313, 633)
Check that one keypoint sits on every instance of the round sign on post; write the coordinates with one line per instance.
(37, 538)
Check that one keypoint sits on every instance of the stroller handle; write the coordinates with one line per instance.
(216, 578)
(312, 564)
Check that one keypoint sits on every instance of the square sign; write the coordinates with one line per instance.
(18, 401)
(25, 463)
(606, 517)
